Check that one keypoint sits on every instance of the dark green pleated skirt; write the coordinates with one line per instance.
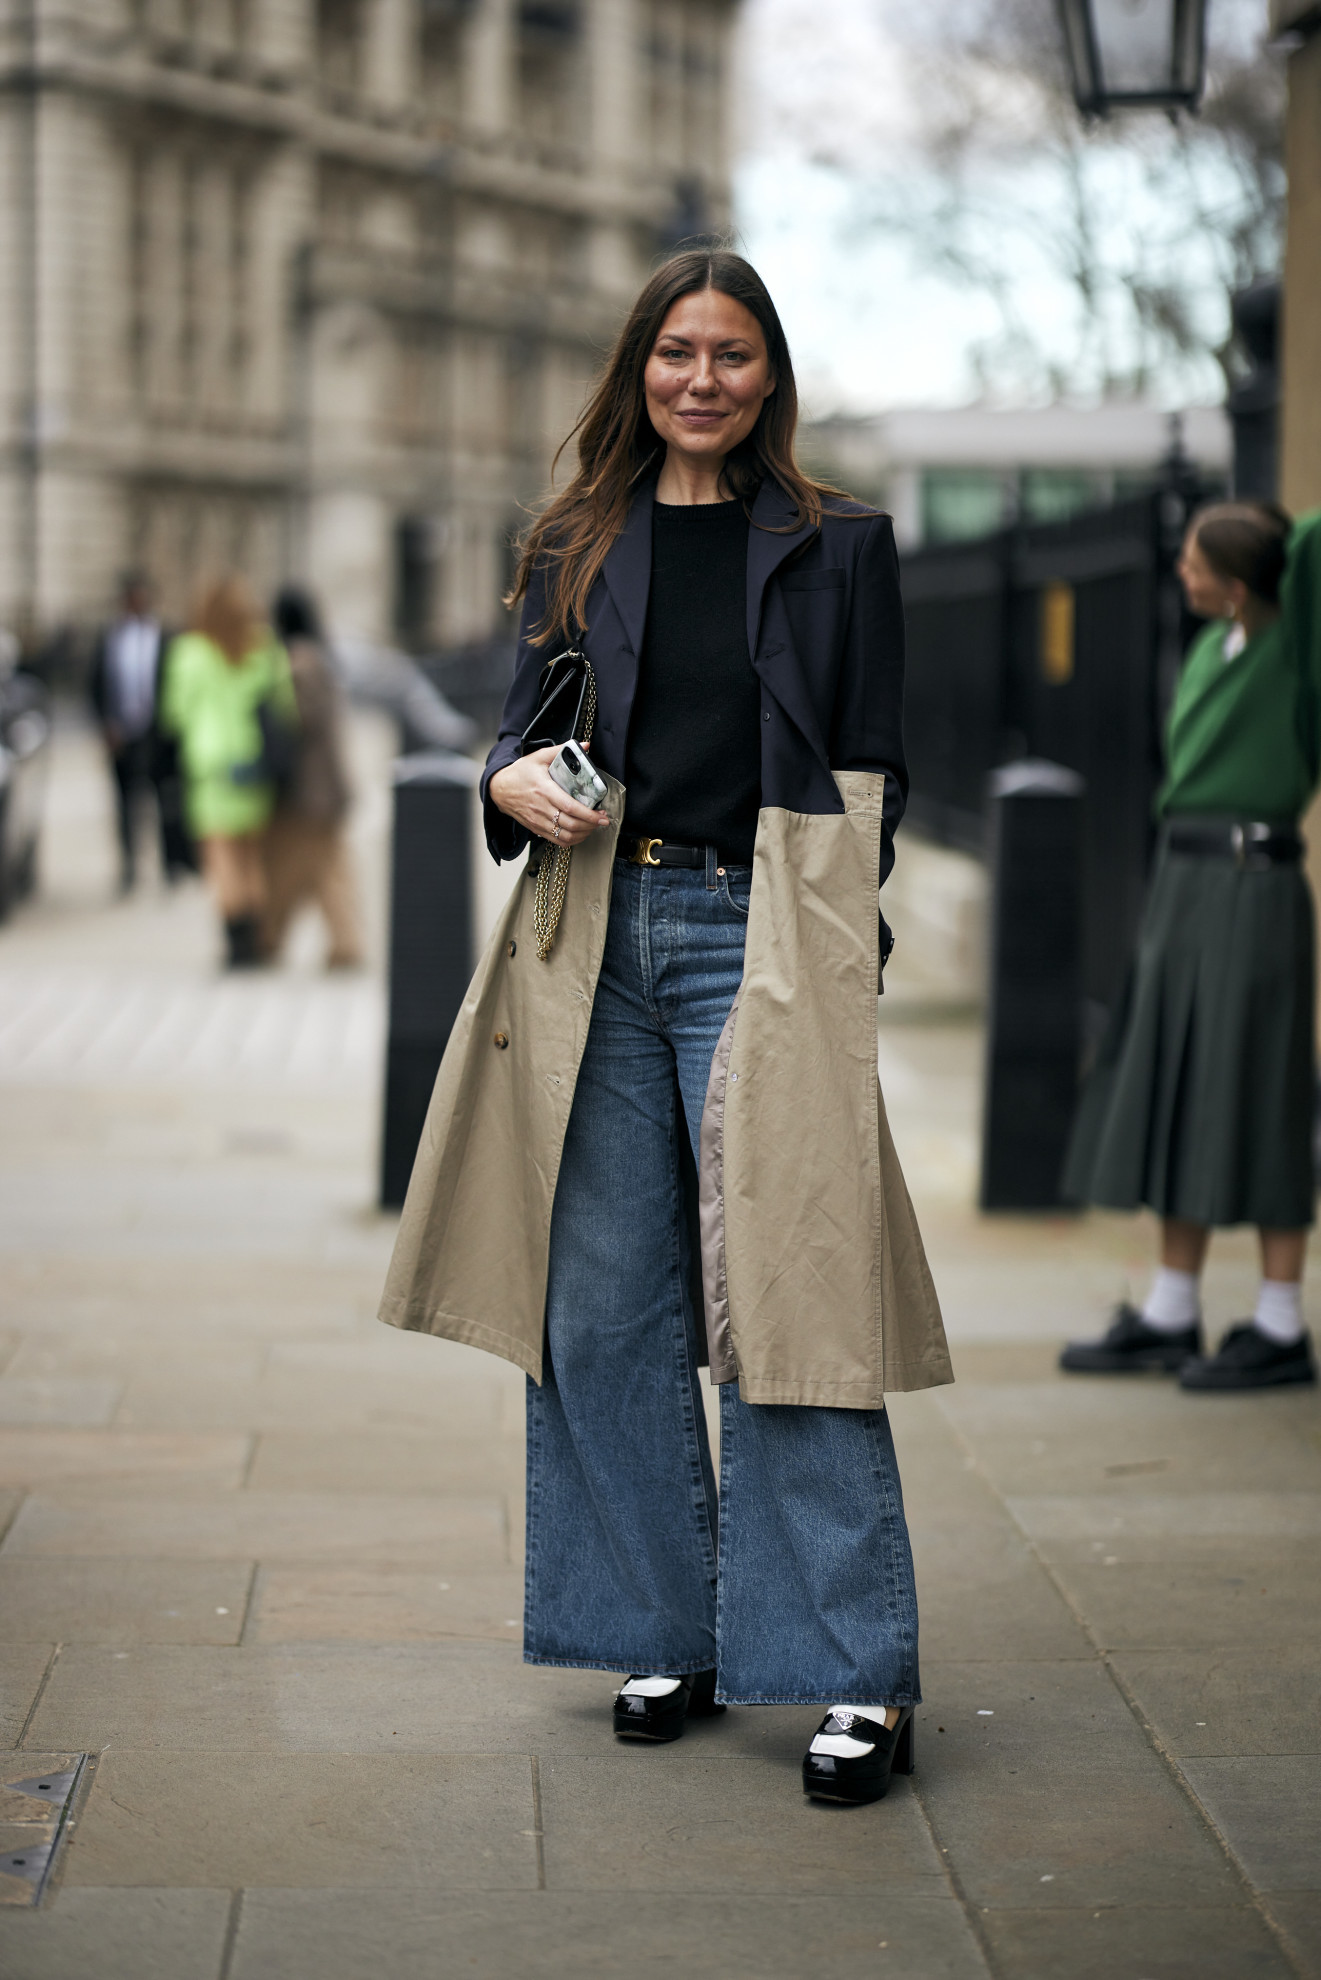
(1200, 1104)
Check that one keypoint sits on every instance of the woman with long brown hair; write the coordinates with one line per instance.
(657, 1135)
(228, 695)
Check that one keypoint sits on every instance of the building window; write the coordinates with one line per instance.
(549, 52)
(414, 580)
(442, 23)
(962, 502)
(339, 37)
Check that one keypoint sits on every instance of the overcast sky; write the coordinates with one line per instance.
(866, 329)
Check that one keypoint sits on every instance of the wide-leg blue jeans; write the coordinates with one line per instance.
(802, 1592)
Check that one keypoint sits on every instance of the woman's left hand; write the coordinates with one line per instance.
(526, 791)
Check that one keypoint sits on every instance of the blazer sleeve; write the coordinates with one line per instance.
(505, 838)
(867, 731)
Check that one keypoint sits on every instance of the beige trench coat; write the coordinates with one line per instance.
(815, 1281)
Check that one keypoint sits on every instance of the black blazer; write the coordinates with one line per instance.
(825, 635)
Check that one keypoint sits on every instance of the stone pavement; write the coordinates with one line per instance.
(261, 1558)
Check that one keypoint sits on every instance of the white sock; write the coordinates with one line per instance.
(1174, 1302)
(649, 1687)
(844, 1746)
(1279, 1314)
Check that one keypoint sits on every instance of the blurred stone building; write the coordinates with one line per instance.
(312, 287)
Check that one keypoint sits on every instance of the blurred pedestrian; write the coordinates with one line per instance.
(305, 849)
(688, 1011)
(125, 686)
(1201, 1103)
(229, 699)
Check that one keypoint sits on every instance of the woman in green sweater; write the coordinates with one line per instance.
(228, 696)
(1201, 1103)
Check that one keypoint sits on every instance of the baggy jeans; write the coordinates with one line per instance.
(802, 1592)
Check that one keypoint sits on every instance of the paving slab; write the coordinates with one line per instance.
(1257, 1599)
(22, 1668)
(1084, 1436)
(57, 1399)
(380, 1461)
(563, 1935)
(31, 1457)
(1217, 1704)
(322, 1820)
(1048, 1796)
(296, 1399)
(1268, 1809)
(712, 1824)
(442, 1697)
(122, 1601)
(384, 1605)
(468, 1532)
(1163, 1526)
(1147, 1942)
(117, 1935)
(1297, 1917)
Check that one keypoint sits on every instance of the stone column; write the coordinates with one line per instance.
(613, 56)
(488, 69)
(390, 51)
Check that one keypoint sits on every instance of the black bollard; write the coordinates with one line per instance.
(1034, 1019)
(431, 941)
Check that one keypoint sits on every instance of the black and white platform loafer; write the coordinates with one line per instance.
(852, 1757)
(658, 1708)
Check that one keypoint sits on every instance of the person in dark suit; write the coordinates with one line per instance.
(127, 673)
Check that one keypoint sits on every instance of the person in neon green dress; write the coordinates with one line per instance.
(1201, 1103)
(228, 693)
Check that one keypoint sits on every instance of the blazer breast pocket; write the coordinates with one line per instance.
(829, 580)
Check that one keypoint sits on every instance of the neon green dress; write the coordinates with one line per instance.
(210, 703)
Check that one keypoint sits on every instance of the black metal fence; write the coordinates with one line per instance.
(1060, 641)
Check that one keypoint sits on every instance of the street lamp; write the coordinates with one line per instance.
(1135, 53)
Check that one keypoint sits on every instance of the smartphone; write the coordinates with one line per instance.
(574, 774)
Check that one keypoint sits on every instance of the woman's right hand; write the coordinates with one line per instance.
(526, 791)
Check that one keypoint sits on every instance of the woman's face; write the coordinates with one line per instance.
(708, 376)
(1208, 594)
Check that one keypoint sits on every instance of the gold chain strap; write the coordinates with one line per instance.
(553, 872)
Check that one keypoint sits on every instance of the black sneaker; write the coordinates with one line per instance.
(1129, 1346)
(1247, 1359)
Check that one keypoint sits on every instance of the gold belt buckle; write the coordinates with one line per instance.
(642, 852)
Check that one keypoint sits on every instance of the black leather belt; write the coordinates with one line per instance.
(1248, 843)
(666, 852)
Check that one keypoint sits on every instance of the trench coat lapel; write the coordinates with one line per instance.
(627, 569)
(770, 543)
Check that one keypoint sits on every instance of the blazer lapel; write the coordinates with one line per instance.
(627, 569)
(769, 543)
(774, 657)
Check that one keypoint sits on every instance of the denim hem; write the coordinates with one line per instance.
(639, 1667)
(826, 1698)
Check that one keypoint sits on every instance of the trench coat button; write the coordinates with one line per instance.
(513, 948)
(767, 716)
(501, 1040)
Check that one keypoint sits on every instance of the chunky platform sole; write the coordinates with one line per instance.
(866, 1778)
(663, 1719)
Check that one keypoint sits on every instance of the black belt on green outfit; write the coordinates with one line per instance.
(1248, 843)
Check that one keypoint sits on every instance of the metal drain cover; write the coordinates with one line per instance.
(34, 1807)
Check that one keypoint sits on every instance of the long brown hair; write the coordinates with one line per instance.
(228, 615)
(617, 443)
(1247, 541)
